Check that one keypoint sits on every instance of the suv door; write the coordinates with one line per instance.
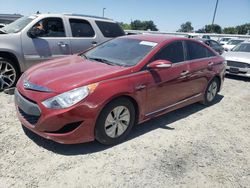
(83, 35)
(49, 44)
(171, 85)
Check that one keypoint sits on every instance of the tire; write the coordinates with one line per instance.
(115, 121)
(211, 92)
(9, 74)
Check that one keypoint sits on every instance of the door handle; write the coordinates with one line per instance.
(210, 64)
(140, 87)
(184, 73)
(62, 44)
(94, 43)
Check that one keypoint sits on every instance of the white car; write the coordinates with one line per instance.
(238, 60)
(232, 43)
(224, 40)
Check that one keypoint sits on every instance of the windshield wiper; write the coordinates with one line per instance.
(103, 61)
(84, 56)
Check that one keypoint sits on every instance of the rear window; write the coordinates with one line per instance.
(110, 30)
(81, 28)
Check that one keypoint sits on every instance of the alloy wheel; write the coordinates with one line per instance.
(7, 75)
(212, 91)
(117, 121)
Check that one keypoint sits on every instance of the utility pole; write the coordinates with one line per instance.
(103, 10)
(215, 11)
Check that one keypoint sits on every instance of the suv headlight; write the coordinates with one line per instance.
(69, 98)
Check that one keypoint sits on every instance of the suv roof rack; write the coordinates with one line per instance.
(89, 16)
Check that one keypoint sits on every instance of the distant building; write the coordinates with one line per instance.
(8, 18)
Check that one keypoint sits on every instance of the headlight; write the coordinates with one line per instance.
(69, 98)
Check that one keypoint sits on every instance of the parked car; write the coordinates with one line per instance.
(102, 93)
(224, 40)
(213, 44)
(32, 39)
(232, 43)
(238, 60)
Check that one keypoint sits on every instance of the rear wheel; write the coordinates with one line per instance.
(9, 74)
(211, 91)
(115, 122)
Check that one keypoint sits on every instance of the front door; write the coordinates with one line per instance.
(168, 85)
(50, 43)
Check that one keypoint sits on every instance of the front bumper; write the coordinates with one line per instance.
(244, 72)
(66, 126)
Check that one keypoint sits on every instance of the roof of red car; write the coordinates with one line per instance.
(158, 38)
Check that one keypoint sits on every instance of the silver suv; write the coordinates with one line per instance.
(40, 37)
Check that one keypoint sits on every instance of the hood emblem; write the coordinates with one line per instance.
(30, 86)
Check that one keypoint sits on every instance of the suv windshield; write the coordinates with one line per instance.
(234, 42)
(120, 51)
(17, 25)
(243, 47)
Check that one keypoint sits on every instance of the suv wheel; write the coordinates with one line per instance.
(115, 122)
(8, 74)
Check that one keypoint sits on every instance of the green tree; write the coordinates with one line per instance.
(143, 25)
(230, 30)
(125, 26)
(243, 29)
(213, 28)
(202, 30)
(186, 27)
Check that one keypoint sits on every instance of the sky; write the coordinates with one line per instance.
(168, 15)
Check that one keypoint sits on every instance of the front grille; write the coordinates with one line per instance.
(237, 64)
(32, 119)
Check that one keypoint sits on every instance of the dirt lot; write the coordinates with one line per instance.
(191, 147)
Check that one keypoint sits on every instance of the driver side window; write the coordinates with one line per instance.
(50, 27)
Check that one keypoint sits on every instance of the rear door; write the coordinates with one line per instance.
(201, 60)
(83, 35)
(52, 43)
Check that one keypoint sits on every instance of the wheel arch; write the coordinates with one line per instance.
(128, 97)
(12, 57)
(218, 78)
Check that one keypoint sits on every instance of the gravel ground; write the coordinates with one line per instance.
(195, 146)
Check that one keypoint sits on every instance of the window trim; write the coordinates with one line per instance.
(84, 20)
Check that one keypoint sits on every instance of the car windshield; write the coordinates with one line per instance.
(234, 42)
(17, 25)
(121, 51)
(243, 47)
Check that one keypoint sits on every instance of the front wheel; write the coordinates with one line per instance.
(211, 91)
(115, 122)
(8, 74)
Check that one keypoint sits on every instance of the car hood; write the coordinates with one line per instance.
(237, 56)
(68, 73)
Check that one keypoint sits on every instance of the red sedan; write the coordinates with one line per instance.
(102, 93)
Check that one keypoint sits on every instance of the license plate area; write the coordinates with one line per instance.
(234, 70)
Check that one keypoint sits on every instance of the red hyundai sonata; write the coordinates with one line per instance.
(102, 93)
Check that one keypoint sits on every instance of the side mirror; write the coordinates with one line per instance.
(159, 64)
(34, 32)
